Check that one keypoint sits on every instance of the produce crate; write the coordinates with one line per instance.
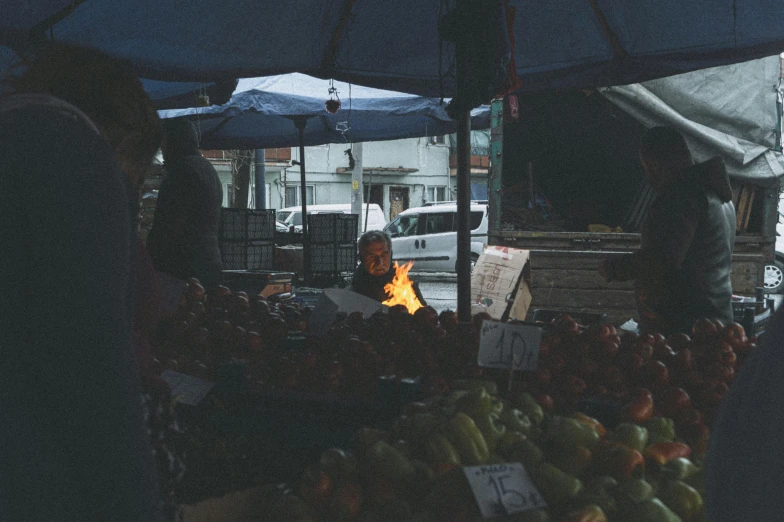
(244, 224)
(247, 255)
(333, 247)
(335, 229)
(333, 258)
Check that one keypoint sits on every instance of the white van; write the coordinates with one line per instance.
(292, 216)
(428, 236)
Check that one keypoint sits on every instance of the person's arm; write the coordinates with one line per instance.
(666, 239)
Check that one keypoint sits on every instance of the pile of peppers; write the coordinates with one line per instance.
(585, 472)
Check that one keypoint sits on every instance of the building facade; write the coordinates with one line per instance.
(397, 174)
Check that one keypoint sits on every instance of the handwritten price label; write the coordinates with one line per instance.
(185, 388)
(503, 489)
(503, 345)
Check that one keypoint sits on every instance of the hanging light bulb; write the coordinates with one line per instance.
(332, 105)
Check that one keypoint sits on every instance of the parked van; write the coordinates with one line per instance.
(292, 216)
(428, 236)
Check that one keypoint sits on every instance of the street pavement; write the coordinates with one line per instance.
(438, 289)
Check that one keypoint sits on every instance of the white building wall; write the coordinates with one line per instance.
(430, 159)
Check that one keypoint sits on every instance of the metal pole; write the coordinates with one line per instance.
(300, 124)
(357, 182)
(464, 217)
(260, 179)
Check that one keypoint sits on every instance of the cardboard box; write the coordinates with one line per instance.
(500, 283)
(335, 300)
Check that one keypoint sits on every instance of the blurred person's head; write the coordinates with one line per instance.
(375, 252)
(663, 154)
(179, 138)
(108, 92)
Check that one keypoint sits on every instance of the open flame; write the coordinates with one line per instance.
(402, 289)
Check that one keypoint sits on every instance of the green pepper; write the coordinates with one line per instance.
(568, 433)
(634, 491)
(574, 460)
(660, 429)
(527, 453)
(526, 403)
(462, 431)
(492, 429)
(679, 469)
(600, 492)
(441, 453)
(697, 480)
(630, 434)
(498, 405)
(555, 486)
(389, 462)
(516, 420)
(589, 513)
(475, 403)
(653, 510)
(683, 499)
(474, 384)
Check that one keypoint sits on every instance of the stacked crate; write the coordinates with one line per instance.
(247, 239)
(333, 245)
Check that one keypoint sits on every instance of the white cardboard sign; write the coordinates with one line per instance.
(185, 388)
(503, 489)
(511, 346)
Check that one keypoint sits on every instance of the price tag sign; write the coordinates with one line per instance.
(512, 346)
(503, 489)
(187, 389)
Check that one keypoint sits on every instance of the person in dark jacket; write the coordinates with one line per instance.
(183, 240)
(75, 136)
(682, 270)
(375, 269)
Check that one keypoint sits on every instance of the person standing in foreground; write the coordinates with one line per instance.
(746, 450)
(77, 130)
(183, 240)
(682, 270)
(375, 269)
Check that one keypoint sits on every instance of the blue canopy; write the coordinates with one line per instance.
(173, 95)
(261, 112)
(396, 44)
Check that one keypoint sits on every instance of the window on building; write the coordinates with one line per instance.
(293, 195)
(435, 194)
(438, 140)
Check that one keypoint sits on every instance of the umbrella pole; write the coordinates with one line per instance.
(306, 261)
(464, 217)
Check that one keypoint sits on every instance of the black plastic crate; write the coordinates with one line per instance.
(333, 258)
(333, 228)
(245, 255)
(541, 315)
(244, 224)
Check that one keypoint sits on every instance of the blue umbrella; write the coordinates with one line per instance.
(261, 112)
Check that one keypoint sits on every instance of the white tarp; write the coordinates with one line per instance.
(730, 110)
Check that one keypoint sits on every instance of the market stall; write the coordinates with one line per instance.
(384, 415)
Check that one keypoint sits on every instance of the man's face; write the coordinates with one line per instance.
(376, 258)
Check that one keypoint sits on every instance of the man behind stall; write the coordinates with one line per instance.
(375, 269)
(683, 267)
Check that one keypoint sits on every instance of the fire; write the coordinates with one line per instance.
(402, 289)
